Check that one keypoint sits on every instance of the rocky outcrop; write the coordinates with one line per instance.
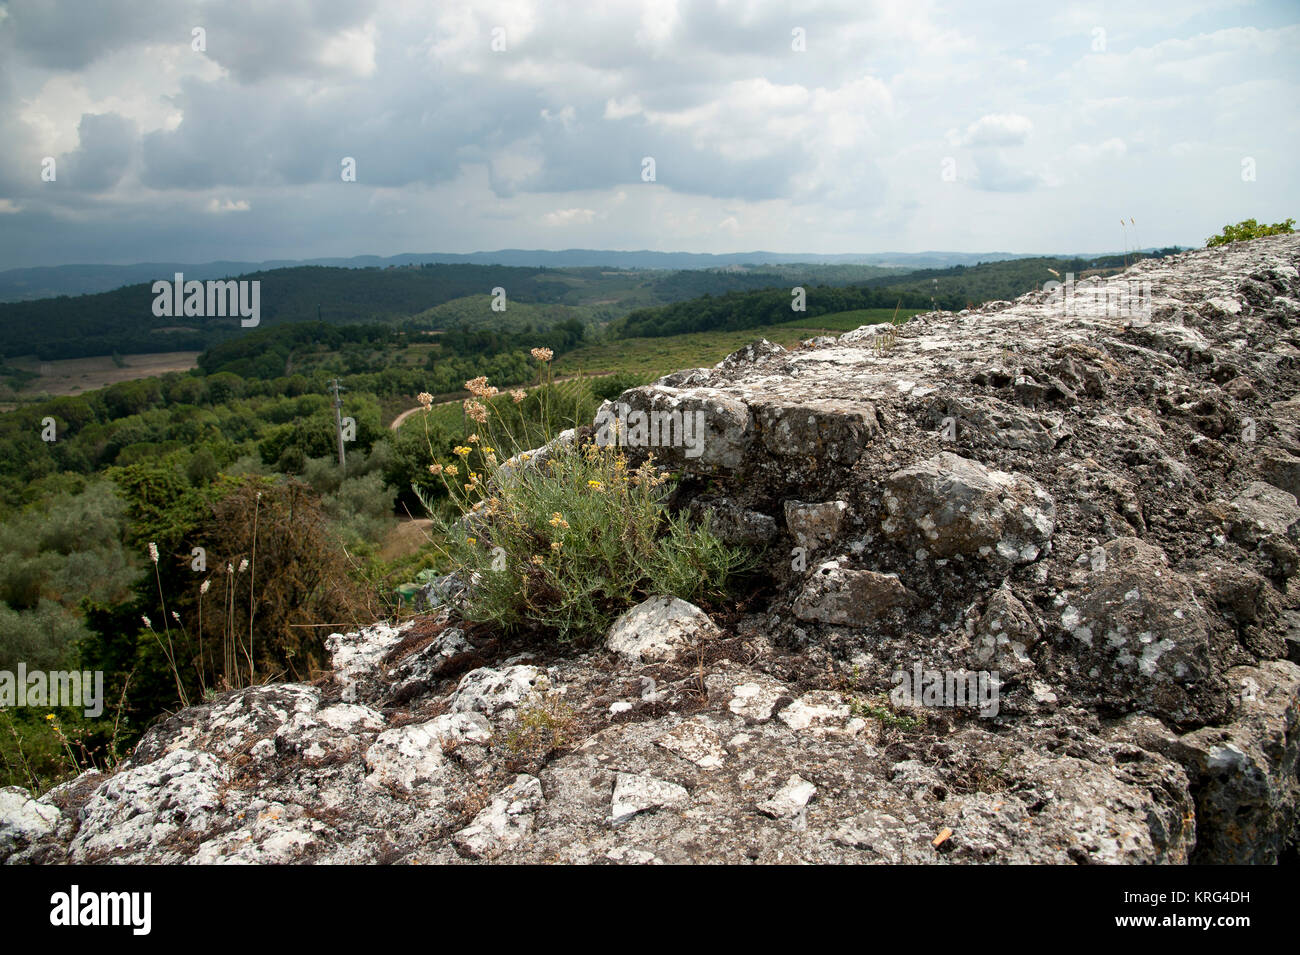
(1076, 510)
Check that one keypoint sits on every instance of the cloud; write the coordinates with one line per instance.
(997, 129)
(1113, 148)
(228, 205)
(568, 217)
(107, 143)
(995, 174)
(460, 146)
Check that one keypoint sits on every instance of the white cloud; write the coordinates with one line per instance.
(1113, 148)
(998, 129)
(352, 51)
(569, 217)
(228, 205)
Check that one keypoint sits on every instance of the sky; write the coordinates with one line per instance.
(189, 131)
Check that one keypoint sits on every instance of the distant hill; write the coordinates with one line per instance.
(121, 320)
(950, 289)
(19, 285)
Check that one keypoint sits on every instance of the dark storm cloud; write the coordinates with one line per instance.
(69, 34)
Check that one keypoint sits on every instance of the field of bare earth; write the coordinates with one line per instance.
(75, 376)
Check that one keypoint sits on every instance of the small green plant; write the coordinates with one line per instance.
(1249, 229)
(543, 723)
(880, 709)
(876, 707)
(566, 543)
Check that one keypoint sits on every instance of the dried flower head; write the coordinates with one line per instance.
(476, 411)
(153, 552)
(517, 395)
(543, 354)
(425, 399)
(479, 388)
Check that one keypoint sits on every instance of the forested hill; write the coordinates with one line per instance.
(123, 321)
(655, 303)
(949, 289)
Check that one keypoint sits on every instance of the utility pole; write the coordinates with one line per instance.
(338, 418)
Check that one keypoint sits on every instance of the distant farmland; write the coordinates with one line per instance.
(75, 376)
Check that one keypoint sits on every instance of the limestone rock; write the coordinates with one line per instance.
(659, 628)
(23, 820)
(812, 525)
(637, 794)
(1140, 636)
(952, 506)
(411, 758)
(696, 742)
(505, 822)
(490, 691)
(857, 598)
(1005, 634)
(789, 801)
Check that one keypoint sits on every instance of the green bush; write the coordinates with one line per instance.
(611, 386)
(1249, 229)
(566, 545)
